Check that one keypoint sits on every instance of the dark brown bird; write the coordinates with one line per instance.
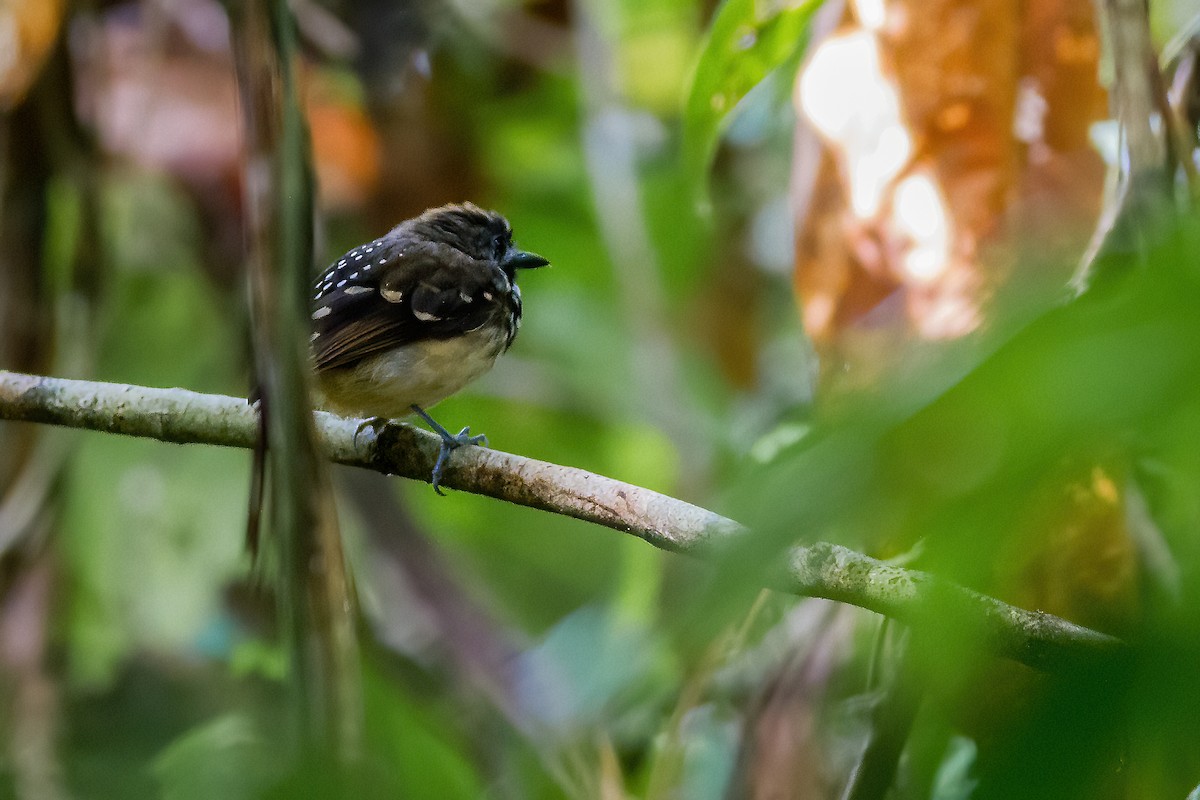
(405, 321)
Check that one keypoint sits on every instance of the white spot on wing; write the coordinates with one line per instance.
(488, 296)
(340, 284)
(466, 298)
(391, 295)
(425, 316)
(321, 312)
(359, 290)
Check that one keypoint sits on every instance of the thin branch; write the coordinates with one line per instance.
(1039, 640)
(314, 594)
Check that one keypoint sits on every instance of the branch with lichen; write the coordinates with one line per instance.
(821, 569)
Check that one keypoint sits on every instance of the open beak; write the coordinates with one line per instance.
(519, 259)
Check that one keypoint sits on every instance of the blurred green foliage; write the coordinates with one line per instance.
(745, 42)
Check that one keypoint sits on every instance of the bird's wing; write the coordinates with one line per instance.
(377, 298)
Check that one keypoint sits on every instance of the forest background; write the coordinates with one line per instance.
(912, 279)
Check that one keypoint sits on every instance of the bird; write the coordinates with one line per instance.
(403, 322)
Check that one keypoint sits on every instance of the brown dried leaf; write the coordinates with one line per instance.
(954, 132)
(28, 30)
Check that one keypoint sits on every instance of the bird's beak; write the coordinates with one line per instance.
(519, 259)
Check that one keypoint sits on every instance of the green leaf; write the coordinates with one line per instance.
(953, 780)
(747, 40)
(223, 758)
(419, 751)
(585, 665)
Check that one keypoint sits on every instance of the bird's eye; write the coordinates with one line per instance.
(499, 245)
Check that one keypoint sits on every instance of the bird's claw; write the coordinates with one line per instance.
(374, 423)
(450, 443)
(464, 437)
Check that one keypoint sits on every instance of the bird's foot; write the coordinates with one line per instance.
(376, 424)
(450, 443)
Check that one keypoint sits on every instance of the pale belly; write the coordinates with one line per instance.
(389, 385)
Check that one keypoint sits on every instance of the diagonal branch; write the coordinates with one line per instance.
(824, 570)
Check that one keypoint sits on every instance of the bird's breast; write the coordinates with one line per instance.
(422, 373)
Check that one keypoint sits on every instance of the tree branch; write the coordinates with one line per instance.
(1039, 640)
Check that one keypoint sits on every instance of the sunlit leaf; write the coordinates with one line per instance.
(746, 41)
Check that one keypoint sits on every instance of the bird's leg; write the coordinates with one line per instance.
(450, 443)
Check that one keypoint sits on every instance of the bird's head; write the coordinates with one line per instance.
(481, 234)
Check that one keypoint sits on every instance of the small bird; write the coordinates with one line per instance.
(407, 320)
